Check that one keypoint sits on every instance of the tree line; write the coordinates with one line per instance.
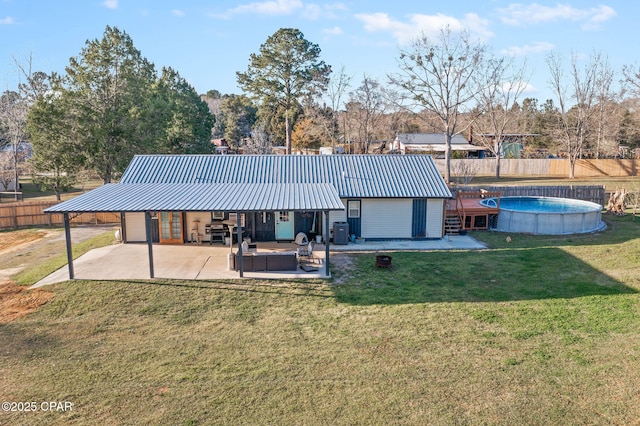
(111, 103)
(449, 84)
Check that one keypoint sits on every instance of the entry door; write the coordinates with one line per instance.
(419, 218)
(170, 228)
(284, 225)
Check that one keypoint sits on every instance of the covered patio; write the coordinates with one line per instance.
(240, 198)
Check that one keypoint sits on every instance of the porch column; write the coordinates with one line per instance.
(240, 266)
(67, 236)
(326, 242)
(123, 227)
(147, 220)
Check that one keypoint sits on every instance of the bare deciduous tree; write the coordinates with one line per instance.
(6, 171)
(13, 121)
(369, 106)
(604, 98)
(338, 84)
(581, 89)
(437, 76)
(259, 142)
(503, 82)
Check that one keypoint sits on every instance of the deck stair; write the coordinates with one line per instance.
(452, 225)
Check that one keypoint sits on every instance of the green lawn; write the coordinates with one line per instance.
(536, 331)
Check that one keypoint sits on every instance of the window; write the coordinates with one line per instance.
(218, 215)
(284, 216)
(353, 209)
(233, 217)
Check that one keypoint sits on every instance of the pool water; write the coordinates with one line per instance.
(546, 205)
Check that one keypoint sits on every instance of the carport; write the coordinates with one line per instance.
(201, 197)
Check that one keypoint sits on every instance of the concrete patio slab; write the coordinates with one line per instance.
(210, 262)
(188, 262)
(453, 242)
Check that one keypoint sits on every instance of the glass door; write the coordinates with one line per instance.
(171, 228)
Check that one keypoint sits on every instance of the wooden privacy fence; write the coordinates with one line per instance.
(593, 193)
(542, 167)
(16, 215)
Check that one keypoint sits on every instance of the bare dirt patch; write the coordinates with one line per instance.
(15, 240)
(17, 301)
(343, 264)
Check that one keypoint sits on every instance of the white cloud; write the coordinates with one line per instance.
(313, 11)
(271, 8)
(335, 31)
(430, 25)
(7, 21)
(177, 12)
(111, 4)
(518, 14)
(537, 47)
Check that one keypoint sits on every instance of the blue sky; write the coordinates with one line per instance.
(208, 41)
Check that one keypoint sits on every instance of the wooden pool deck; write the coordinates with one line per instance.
(470, 213)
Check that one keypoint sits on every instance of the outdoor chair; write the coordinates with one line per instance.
(306, 253)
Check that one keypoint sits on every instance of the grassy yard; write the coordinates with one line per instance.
(536, 331)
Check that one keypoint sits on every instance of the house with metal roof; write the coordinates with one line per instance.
(382, 196)
(436, 143)
(175, 199)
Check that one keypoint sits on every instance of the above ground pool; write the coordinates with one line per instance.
(546, 215)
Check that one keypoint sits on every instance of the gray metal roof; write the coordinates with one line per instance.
(244, 197)
(357, 176)
(430, 139)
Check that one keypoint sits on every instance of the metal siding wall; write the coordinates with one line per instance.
(435, 212)
(136, 230)
(386, 218)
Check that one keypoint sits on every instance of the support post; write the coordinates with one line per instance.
(147, 219)
(240, 265)
(326, 242)
(67, 237)
(123, 227)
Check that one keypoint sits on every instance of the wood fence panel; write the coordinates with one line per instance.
(593, 193)
(555, 167)
(17, 215)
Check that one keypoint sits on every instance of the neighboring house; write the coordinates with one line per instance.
(435, 143)
(513, 144)
(189, 197)
(221, 146)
